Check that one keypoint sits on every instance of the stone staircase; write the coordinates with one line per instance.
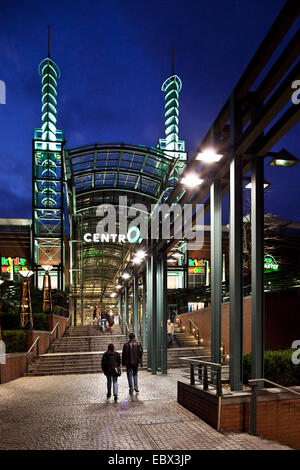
(80, 352)
(184, 340)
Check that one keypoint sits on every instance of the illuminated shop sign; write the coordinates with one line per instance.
(198, 266)
(20, 264)
(270, 264)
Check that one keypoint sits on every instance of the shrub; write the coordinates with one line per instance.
(278, 367)
(15, 340)
(40, 321)
(9, 320)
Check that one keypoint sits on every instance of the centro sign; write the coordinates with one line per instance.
(121, 223)
(133, 236)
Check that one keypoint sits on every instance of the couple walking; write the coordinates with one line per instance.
(111, 365)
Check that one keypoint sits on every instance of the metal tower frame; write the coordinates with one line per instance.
(48, 213)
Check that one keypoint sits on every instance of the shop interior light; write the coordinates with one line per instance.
(137, 260)
(26, 273)
(209, 156)
(47, 267)
(1, 281)
(113, 294)
(171, 259)
(125, 275)
(176, 253)
(191, 180)
(118, 286)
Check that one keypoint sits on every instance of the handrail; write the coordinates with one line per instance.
(55, 328)
(253, 414)
(287, 389)
(127, 327)
(216, 381)
(192, 323)
(36, 340)
(29, 350)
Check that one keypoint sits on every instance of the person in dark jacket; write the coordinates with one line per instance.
(131, 358)
(110, 363)
(103, 320)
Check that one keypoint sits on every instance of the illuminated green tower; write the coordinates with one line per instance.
(48, 183)
(171, 144)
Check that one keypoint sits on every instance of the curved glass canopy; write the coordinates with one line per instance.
(99, 174)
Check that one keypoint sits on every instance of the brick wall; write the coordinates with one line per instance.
(16, 363)
(14, 367)
(278, 412)
(202, 318)
(282, 322)
(53, 319)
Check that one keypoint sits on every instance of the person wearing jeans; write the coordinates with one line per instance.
(110, 364)
(131, 358)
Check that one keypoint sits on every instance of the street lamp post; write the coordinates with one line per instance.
(26, 306)
(47, 292)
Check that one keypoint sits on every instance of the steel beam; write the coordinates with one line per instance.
(135, 305)
(144, 310)
(257, 271)
(216, 269)
(126, 305)
(159, 297)
(153, 307)
(235, 275)
(149, 315)
(164, 305)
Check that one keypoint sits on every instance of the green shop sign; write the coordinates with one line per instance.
(270, 264)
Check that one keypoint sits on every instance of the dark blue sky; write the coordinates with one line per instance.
(114, 56)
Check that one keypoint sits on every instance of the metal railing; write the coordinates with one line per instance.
(254, 389)
(55, 329)
(127, 327)
(37, 341)
(194, 330)
(209, 374)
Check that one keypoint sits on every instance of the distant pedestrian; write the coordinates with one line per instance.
(132, 356)
(111, 322)
(172, 316)
(110, 364)
(103, 320)
(170, 331)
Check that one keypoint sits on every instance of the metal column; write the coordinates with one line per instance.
(120, 311)
(144, 307)
(126, 307)
(159, 295)
(149, 315)
(235, 274)
(153, 307)
(257, 272)
(216, 269)
(135, 306)
(164, 304)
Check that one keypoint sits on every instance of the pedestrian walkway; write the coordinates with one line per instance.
(71, 412)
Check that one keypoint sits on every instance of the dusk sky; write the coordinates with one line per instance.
(114, 56)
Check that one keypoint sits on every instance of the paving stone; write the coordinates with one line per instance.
(71, 412)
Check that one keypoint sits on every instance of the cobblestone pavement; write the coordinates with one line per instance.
(71, 412)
